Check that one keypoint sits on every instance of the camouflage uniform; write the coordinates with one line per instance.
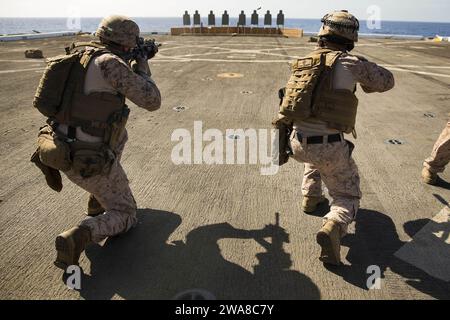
(321, 104)
(312, 181)
(109, 73)
(333, 162)
(440, 155)
(87, 136)
(118, 199)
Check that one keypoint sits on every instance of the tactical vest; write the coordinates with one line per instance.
(310, 93)
(60, 96)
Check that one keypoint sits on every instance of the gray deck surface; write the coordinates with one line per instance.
(202, 226)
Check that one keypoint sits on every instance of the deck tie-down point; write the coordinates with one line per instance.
(395, 142)
(179, 108)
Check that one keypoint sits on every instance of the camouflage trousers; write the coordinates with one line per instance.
(333, 164)
(440, 155)
(114, 194)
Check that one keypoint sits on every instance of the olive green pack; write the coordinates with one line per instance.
(60, 97)
(53, 87)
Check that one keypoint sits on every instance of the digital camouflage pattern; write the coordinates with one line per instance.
(371, 76)
(119, 29)
(440, 155)
(139, 88)
(113, 192)
(332, 163)
(312, 182)
(340, 23)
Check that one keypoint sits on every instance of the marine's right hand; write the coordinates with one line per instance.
(140, 66)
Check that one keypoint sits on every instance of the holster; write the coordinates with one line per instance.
(351, 147)
(285, 129)
(52, 176)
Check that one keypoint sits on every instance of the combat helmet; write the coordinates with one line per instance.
(119, 30)
(340, 24)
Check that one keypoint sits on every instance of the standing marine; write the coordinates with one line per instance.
(439, 159)
(83, 96)
(319, 106)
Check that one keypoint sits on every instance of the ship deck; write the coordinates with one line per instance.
(203, 226)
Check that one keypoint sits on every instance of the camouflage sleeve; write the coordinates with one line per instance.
(371, 76)
(139, 88)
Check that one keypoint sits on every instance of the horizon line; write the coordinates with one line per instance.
(205, 16)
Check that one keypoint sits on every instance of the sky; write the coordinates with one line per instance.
(400, 10)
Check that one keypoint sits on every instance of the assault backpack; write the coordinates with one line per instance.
(52, 89)
(61, 97)
(310, 93)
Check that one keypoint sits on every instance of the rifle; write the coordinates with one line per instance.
(145, 49)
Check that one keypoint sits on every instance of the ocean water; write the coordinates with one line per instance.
(27, 25)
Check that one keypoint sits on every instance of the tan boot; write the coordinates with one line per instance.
(329, 238)
(429, 177)
(69, 246)
(94, 207)
(311, 204)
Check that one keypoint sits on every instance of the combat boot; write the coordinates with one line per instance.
(429, 177)
(329, 238)
(311, 204)
(69, 246)
(94, 207)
